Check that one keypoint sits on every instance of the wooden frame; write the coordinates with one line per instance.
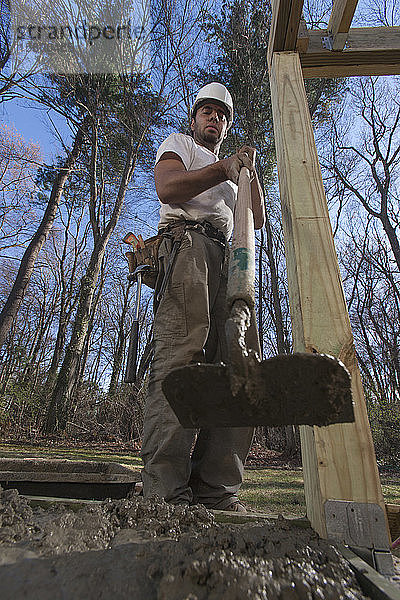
(340, 21)
(369, 51)
(338, 51)
(339, 461)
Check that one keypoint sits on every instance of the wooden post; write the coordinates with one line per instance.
(339, 461)
(286, 16)
(340, 21)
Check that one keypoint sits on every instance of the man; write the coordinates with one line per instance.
(197, 192)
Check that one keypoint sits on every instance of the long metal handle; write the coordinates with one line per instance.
(171, 260)
(131, 364)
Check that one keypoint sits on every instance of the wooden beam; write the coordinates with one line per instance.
(303, 38)
(351, 63)
(339, 461)
(359, 38)
(340, 22)
(369, 51)
(286, 15)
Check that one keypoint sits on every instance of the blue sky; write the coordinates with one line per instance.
(33, 124)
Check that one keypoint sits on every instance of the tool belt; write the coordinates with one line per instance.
(203, 227)
(146, 256)
(175, 230)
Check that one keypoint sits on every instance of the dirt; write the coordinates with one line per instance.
(148, 549)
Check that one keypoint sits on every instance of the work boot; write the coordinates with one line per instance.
(236, 507)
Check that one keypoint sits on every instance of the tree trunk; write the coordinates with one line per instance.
(289, 431)
(89, 331)
(120, 346)
(42, 332)
(260, 294)
(67, 304)
(61, 399)
(58, 348)
(57, 414)
(392, 237)
(281, 343)
(24, 274)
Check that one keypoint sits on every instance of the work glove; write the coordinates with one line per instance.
(244, 158)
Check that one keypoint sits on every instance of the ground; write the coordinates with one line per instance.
(273, 482)
(148, 549)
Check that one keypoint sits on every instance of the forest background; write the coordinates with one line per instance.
(66, 305)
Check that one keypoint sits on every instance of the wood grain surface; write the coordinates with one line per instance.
(339, 460)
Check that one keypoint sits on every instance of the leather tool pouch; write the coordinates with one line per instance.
(146, 256)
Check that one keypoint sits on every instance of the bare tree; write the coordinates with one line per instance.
(121, 142)
(384, 13)
(68, 261)
(361, 167)
(29, 257)
(365, 164)
(19, 163)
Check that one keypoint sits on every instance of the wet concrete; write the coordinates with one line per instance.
(147, 549)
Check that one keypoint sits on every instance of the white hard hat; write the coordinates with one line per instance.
(219, 93)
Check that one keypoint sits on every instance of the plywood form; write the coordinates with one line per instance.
(338, 461)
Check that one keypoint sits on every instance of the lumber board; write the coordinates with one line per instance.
(359, 38)
(293, 24)
(286, 15)
(303, 38)
(339, 461)
(351, 64)
(229, 516)
(61, 477)
(340, 21)
(371, 582)
(55, 465)
(73, 503)
(369, 51)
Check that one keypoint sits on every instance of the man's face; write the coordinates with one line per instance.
(209, 125)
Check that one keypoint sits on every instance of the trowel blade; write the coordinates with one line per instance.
(296, 389)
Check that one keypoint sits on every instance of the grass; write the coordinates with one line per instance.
(27, 451)
(272, 491)
(279, 491)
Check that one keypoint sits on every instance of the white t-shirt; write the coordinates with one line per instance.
(216, 204)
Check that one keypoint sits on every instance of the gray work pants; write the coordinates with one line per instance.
(189, 326)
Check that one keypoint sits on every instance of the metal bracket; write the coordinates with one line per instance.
(327, 42)
(362, 526)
